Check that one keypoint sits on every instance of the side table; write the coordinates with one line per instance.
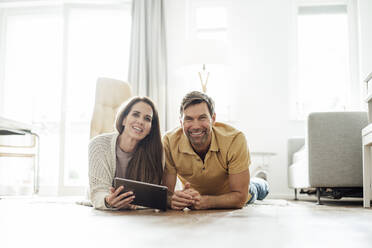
(367, 145)
(367, 164)
(11, 127)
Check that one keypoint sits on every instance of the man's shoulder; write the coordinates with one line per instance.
(225, 131)
(228, 137)
(174, 134)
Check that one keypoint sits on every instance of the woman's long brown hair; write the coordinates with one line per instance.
(146, 163)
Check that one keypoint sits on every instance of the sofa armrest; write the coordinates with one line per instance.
(294, 144)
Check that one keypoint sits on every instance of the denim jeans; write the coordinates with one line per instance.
(258, 188)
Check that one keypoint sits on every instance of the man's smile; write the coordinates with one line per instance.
(197, 133)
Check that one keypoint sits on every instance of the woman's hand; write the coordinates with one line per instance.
(114, 200)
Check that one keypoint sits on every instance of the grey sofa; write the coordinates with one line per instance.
(329, 158)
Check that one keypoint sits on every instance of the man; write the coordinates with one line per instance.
(211, 159)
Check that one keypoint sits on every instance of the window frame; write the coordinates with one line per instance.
(63, 8)
(64, 189)
(193, 5)
(354, 99)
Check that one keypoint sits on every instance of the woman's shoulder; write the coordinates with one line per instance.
(103, 140)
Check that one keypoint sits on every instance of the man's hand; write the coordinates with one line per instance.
(236, 198)
(114, 200)
(183, 198)
(200, 201)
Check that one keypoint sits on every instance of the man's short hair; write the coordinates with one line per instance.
(196, 97)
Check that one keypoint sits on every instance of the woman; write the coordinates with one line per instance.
(134, 152)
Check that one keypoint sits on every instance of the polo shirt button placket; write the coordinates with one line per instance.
(203, 168)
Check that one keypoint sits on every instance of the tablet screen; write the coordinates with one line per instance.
(147, 194)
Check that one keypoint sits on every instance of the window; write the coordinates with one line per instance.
(211, 22)
(323, 60)
(32, 79)
(51, 59)
(98, 46)
(208, 20)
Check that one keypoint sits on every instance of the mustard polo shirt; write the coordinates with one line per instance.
(228, 154)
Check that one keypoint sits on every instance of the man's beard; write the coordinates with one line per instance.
(199, 141)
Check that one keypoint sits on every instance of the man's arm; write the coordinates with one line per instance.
(169, 180)
(237, 165)
(236, 198)
(176, 199)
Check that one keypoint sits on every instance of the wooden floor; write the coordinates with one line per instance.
(271, 223)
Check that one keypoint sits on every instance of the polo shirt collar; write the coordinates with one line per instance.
(185, 146)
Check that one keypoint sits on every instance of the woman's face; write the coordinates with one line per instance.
(138, 122)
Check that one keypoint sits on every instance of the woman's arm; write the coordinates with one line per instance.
(100, 174)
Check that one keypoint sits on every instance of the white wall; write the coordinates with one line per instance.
(257, 80)
(260, 35)
(365, 37)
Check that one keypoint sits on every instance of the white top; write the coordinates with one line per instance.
(102, 167)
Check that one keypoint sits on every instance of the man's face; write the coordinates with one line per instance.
(197, 125)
